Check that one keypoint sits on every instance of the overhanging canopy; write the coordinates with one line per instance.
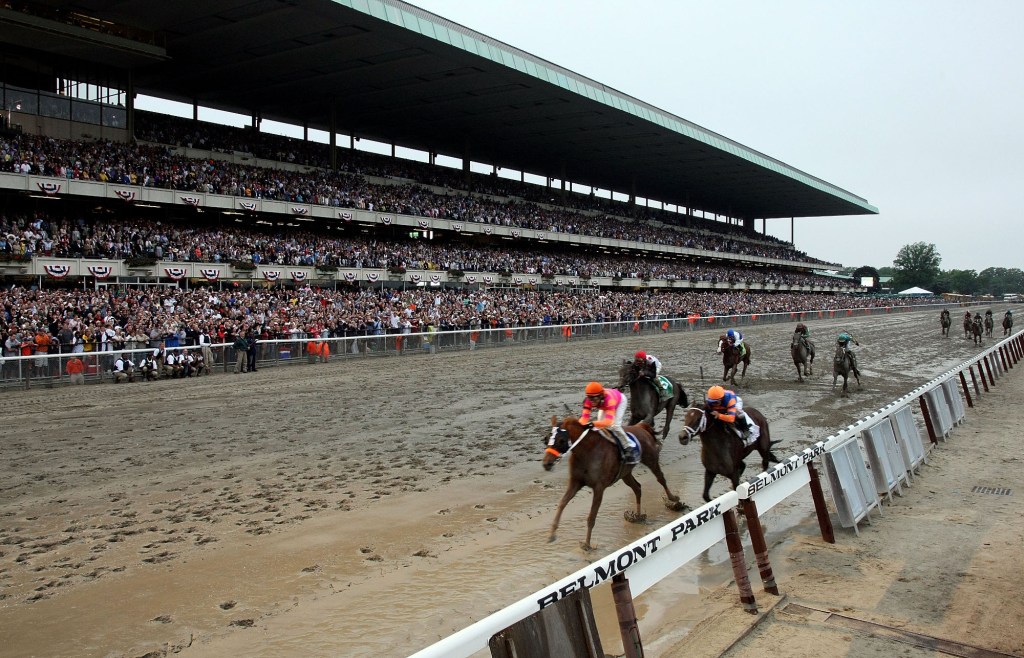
(391, 72)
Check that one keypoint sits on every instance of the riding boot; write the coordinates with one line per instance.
(629, 453)
(743, 426)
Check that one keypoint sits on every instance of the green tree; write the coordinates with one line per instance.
(916, 264)
(962, 282)
(999, 280)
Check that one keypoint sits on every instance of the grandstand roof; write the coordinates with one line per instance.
(394, 73)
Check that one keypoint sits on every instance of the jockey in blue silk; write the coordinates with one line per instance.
(735, 338)
(844, 340)
(727, 407)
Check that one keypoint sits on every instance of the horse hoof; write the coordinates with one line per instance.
(551, 538)
(633, 517)
(676, 505)
(586, 547)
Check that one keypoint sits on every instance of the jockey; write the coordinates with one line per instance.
(805, 333)
(610, 406)
(727, 407)
(735, 339)
(844, 342)
(650, 366)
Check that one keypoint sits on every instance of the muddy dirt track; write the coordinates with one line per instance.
(369, 507)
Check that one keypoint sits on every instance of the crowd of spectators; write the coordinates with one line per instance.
(162, 167)
(34, 321)
(170, 130)
(204, 242)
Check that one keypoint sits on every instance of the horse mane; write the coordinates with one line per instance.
(647, 428)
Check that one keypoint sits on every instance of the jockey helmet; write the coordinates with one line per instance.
(731, 333)
(715, 394)
(594, 388)
(640, 355)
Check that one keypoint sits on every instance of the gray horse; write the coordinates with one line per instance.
(644, 401)
(802, 350)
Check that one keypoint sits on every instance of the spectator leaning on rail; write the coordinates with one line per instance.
(609, 405)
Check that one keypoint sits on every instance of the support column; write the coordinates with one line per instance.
(129, 106)
(967, 392)
(332, 127)
(818, 496)
(792, 238)
(626, 613)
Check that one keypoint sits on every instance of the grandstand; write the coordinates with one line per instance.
(97, 193)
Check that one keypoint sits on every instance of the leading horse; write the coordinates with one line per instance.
(968, 325)
(645, 402)
(945, 321)
(1007, 323)
(989, 323)
(977, 330)
(842, 366)
(721, 450)
(594, 462)
(731, 359)
(802, 350)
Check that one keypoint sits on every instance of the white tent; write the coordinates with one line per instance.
(915, 291)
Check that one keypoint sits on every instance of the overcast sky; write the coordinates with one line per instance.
(915, 105)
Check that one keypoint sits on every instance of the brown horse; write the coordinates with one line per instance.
(721, 450)
(802, 350)
(968, 325)
(595, 462)
(731, 359)
(989, 323)
(977, 330)
(1007, 323)
(945, 322)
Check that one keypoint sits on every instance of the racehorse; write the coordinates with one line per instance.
(1007, 324)
(731, 359)
(594, 462)
(644, 401)
(721, 450)
(976, 330)
(968, 325)
(842, 366)
(945, 321)
(802, 350)
(989, 323)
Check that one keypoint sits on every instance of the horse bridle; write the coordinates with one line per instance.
(555, 431)
(692, 432)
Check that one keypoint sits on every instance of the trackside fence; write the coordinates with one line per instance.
(878, 455)
(31, 369)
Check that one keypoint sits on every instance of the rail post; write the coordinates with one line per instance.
(624, 610)
(967, 392)
(988, 369)
(818, 495)
(928, 421)
(764, 566)
(739, 565)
